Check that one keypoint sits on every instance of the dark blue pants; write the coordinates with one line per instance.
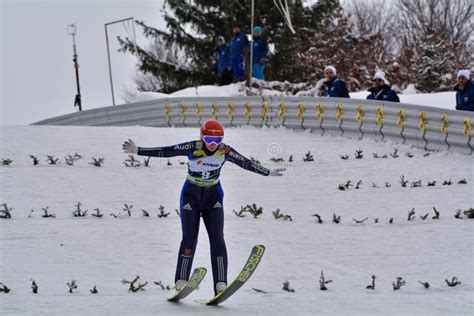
(238, 67)
(206, 202)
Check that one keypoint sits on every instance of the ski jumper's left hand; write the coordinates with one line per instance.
(276, 172)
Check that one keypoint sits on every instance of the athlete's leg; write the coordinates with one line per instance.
(213, 216)
(257, 71)
(238, 67)
(189, 210)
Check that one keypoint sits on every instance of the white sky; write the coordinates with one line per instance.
(37, 72)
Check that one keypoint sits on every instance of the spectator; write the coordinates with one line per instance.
(238, 46)
(381, 90)
(223, 65)
(336, 88)
(260, 54)
(464, 91)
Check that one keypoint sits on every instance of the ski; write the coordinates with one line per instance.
(194, 281)
(247, 271)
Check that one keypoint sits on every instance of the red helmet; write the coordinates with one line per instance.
(212, 128)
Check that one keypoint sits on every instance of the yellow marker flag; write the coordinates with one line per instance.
(340, 112)
(265, 109)
(401, 118)
(247, 110)
(320, 111)
(167, 110)
(360, 113)
(444, 123)
(380, 115)
(198, 109)
(281, 110)
(214, 109)
(300, 110)
(467, 126)
(182, 109)
(422, 121)
(230, 109)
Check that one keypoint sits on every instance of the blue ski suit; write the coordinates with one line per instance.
(465, 97)
(202, 195)
(336, 88)
(383, 93)
(238, 44)
(259, 51)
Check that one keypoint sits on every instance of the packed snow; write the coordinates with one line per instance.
(444, 100)
(103, 252)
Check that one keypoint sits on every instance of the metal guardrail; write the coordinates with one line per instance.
(426, 127)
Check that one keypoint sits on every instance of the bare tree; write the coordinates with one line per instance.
(374, 23)
(375, 19)
(450, 19)
(435, 40)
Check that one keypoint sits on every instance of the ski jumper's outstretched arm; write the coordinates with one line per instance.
(168, 151)
(233, 156)
(185, 149)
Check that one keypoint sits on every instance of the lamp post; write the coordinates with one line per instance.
(71, 30)
(252, 13)
(108, 51)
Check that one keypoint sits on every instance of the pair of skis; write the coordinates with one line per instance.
(199, 274)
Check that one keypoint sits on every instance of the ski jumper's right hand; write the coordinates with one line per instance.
(129, 147)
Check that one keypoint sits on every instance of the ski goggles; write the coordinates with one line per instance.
(212, 139)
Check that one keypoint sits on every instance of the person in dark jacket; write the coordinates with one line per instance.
(336, 88)
(238, 46)
(223, 65)
(259, 54)
(464, 91)
(381, 90)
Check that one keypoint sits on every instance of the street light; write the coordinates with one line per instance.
(71, 30)
(108, 50)
(252, 13)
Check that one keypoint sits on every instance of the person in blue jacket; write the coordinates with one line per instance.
(239, 46)
(259, 54)
(223, 65)
(202, 195)
(335, 88)
(464, 91)
(381, 90)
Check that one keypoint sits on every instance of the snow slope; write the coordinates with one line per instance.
(104, 251)
(444, 100)
(232, 90)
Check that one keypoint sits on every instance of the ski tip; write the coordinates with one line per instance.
(259, 249)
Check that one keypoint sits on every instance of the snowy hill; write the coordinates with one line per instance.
(444, 100)
(103, 252)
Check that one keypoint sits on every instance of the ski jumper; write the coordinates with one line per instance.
(202, 195)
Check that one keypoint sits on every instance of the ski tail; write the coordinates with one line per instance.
(193, 283)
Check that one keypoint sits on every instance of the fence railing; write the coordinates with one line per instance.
(426, 127)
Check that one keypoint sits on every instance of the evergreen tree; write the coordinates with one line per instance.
(435, 62)
(330, 44)
(183, 56)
